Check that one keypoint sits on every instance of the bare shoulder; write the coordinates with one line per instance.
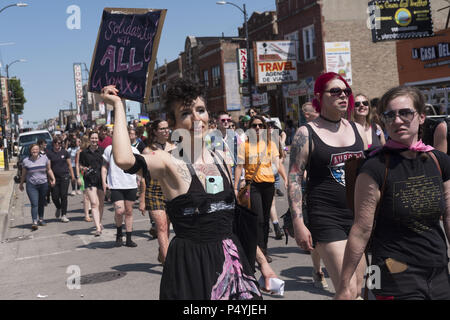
(156, 162)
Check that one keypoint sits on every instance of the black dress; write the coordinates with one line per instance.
(205, 260)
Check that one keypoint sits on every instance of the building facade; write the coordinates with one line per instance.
(425, 63)
(318, 24)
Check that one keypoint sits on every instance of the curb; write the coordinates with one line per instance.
(5, 208)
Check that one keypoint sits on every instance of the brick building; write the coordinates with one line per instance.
(311, 23)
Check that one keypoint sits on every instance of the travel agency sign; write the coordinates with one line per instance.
(276, 62)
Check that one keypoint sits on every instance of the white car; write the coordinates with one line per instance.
(34, 137)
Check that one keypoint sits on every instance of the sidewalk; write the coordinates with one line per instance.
(6, 194)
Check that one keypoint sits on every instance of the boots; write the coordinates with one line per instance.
(278, 232)
(129, 242)
(119, 235)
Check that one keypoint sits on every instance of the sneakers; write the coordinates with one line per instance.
(34, 226)
(42, 223)
(58, 213)
(319, 280)
(64, 219)
(279, 193)
(79, 192)
(73, 193)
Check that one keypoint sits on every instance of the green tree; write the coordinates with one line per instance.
(17, 95)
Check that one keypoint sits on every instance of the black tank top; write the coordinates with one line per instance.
(326, 196)
(376, 142)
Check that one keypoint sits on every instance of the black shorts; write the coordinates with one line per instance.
(329, 233)
(123, 194)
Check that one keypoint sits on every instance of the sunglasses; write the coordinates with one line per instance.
(336, 92)
(226, 120)
(256, 125)
(406, 115)
(364, 103)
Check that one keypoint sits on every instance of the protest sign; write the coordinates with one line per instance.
(125, 52)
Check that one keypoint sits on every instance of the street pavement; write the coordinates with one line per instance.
(44, 264)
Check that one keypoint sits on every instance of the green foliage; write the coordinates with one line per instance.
(17, 95)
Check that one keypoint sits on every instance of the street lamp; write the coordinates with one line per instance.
(9, 100)
(20, 4)
(249, 73)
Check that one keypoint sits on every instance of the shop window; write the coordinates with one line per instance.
(294, 37)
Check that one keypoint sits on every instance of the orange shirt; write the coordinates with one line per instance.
(250, 154)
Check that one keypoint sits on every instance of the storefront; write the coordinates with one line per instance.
(295, 95)
(425, 63)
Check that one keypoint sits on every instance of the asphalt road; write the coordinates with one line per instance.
(39, 265)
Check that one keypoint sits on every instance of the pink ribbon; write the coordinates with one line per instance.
(419, 146)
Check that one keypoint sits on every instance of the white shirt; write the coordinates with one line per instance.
(117, 179)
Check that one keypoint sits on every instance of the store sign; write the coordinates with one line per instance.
(276, 62)
(442, 50)
(242, 65)
(339, 60)
(400, 19)
(258, 100)
(78, 85)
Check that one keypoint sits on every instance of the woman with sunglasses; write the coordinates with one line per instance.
(321, 147)
(362, 114)
(408, 244)
(205, 260)
(259, 157)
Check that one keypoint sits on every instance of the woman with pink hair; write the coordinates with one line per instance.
(321, 147)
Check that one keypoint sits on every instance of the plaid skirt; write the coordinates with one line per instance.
(154, 198)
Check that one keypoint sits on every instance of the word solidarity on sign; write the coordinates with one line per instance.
(125, 53)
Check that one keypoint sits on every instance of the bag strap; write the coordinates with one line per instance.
(257, 168)
(433, 156)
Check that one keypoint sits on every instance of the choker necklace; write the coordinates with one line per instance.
(161, 146)
(332, 121)
(335, 122)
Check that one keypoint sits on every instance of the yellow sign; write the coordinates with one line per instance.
(2, 160)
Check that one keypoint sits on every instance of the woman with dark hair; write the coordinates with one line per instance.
(321, 147)
(35, 169)
(259, 157)
(410, 182)
(362, 114)
(205, 260)
(62, 169)
(158, 139)
(91, 160)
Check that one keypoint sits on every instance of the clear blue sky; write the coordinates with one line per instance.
(39, 34)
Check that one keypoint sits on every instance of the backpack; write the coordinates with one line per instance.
(429, 127)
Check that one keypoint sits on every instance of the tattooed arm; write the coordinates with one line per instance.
(298, 161)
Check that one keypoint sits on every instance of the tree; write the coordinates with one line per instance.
(17, 99)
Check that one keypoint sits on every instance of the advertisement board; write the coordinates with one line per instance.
(276, 62)
(338, 59)
(400, 19)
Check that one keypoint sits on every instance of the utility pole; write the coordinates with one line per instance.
(5, 141)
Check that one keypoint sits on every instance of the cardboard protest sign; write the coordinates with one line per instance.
(126, 50)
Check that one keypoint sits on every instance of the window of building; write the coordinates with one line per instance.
(216, 76)
(206, 78)
(309, 43)
(293, 36)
